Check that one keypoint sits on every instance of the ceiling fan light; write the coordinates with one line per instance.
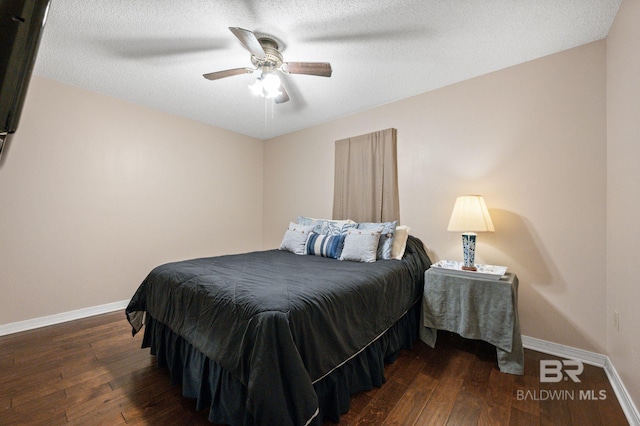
(273, 94)
(257, 88)
(271, 84)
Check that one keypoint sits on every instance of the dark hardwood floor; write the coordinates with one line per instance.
(92, 372)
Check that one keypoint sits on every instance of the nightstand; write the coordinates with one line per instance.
(474, 308)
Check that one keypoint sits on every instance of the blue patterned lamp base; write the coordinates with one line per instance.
(469, 251)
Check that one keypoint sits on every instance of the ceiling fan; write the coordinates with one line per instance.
(266, 59)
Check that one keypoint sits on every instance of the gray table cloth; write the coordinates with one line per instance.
(474, 308)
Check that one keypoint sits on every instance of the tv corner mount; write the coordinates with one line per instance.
(3, 139)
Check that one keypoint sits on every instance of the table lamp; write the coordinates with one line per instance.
(470, 215)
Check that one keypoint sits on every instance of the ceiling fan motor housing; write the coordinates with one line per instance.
(273, 58)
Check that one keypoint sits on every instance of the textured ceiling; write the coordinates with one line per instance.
(154, 52)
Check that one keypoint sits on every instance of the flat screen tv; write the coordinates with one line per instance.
(21, 25)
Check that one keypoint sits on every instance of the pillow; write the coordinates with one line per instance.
(386, 237)
(295, 238)
(400, 242)
(325, 245)
(337, 227)
(327, 226)
(361, 245)
(317, 223)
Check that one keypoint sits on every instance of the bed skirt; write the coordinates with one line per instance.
(224, 395)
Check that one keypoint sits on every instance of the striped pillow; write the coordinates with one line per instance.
(325, 245)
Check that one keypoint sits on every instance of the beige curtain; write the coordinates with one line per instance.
(366, 178)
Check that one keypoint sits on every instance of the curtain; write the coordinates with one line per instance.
(366, 178)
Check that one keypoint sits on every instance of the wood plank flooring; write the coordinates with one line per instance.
(92, 372)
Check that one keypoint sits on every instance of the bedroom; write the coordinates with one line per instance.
(96, 191)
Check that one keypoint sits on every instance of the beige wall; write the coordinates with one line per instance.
(530, 138)
(95, 191)
(623, 213)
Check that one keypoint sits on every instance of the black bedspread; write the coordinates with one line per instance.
(280, 322)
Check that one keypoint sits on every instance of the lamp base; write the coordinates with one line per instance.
(469, 251)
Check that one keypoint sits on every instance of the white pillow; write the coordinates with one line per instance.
(386, 237)
(361, 245)
(400, 242)
(295, 239)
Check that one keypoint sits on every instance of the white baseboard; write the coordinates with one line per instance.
(629, 408)
(563, 351)
(593, 358)
(16, 327)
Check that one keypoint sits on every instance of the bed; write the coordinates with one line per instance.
(272, 337)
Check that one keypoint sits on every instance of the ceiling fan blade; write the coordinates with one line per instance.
(227, 73)
(283, 96)
(159, 47)
(249, 41)
(368, 35)
(322, 69)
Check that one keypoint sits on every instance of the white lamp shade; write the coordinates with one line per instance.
(470, 214)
